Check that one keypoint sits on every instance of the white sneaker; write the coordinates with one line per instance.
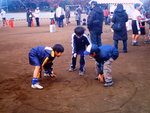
(37, 86)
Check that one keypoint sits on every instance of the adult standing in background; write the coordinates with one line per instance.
(3, 15)
(136, 18)
(67, 14)
(29, 17)
(95, 23)
(120, 16)
(60, 13)
(37, 15)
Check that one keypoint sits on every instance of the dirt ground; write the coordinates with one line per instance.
(69, 92)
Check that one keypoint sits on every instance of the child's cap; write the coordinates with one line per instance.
(91, 49)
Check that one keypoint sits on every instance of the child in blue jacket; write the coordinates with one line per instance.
(79, 43)
(104, 56)
(42, 58)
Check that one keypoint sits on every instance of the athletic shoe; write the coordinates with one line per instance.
(81, 73)
(108, 84)
(125, 51)
(46, 75)
(136, 44)
(72, 69)
(146, 41)
(36, 86)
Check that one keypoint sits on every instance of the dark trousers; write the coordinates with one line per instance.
(60, 22)
(107, 20)
(124, 44)
(82, 62)
(78, 22)
(37, 22)
(29, 23)
(95, 38)
(29, 20)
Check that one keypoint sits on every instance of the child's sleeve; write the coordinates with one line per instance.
(115, 54)
(45, 61)
(73, 44)
(87, 39)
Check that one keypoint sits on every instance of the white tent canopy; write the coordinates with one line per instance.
(117, 1)
(127, 4)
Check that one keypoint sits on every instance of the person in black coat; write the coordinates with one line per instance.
(120, 16)
(29, 17)
(95, 23)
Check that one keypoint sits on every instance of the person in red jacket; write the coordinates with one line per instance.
(106, 16)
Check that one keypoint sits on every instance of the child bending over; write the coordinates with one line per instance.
(41, 58)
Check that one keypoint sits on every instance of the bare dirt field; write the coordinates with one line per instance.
(69, 92)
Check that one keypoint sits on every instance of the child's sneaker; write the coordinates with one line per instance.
(146, 41)
(36, 86)
(46, 75)
(108, 84)
(81, 73)
(72, 69)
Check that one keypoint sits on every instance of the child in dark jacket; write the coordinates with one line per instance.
(104, 56)
(42, 58)
(79, 43)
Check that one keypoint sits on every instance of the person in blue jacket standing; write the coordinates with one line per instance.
(42, 59)
(104, 56)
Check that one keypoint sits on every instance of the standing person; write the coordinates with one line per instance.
(42, 59)
(142, 26)
(120, 16)
(67, 14)
(104, 56)
(148, 17)
(29, 17)
(60, 14)
(106, 16)
(78, 18)
(37, 15)
(95, 23)
(78, 13)
(79, 43)
(136, 18)
(51, 16)
(3, 15)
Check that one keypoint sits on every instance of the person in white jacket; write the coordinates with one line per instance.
(37, 15)
(3, 15)
(60, 15)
